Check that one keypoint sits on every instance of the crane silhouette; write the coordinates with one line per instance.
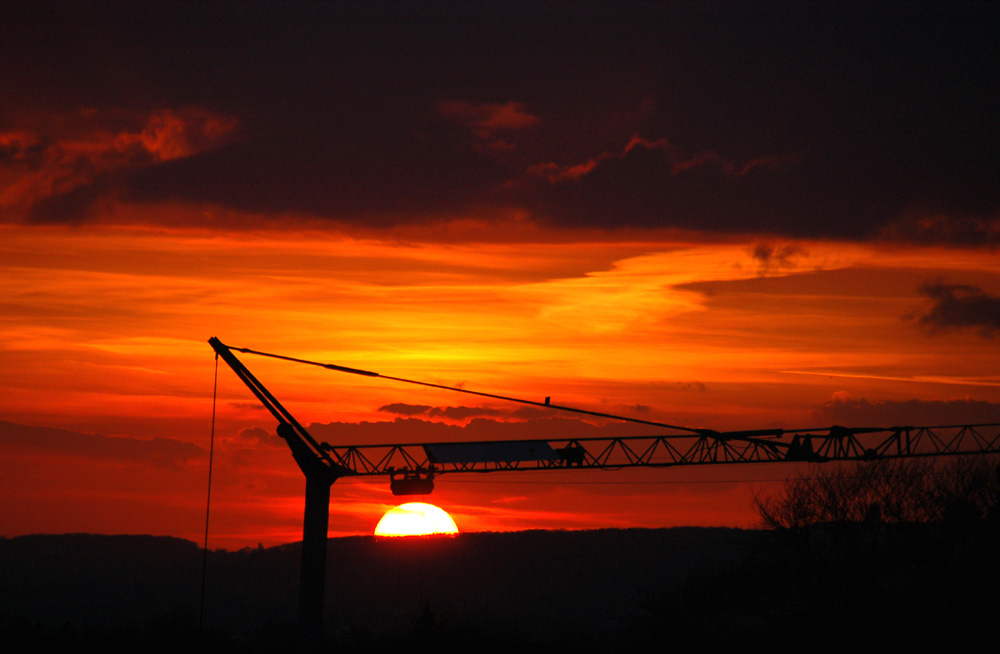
(412, 468)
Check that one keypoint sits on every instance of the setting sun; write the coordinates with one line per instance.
(415, 519)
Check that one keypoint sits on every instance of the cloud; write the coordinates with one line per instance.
(487, 121)
(464, 412)
(959, 306)
(940, 228)
(660, 154)
(160, 452)
(367, 121)
(456, 413)
(402, 409)
(61, 168)
(415, 430)
(769, 257)
(247, 406)
(842, 409)
(258, 436)
(653, 183)
(530, 413)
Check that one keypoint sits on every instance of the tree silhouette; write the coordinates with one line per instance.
(896, 491)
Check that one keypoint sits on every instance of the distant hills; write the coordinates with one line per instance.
(522, 587)
(608, 590)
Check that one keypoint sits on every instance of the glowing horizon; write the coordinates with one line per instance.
(700, 341)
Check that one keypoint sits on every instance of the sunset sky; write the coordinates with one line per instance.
(709, 214)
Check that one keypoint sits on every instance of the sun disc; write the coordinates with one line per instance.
(415, 519)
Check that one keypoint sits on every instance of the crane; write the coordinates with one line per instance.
(412, 468)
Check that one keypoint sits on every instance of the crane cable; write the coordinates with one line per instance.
(750, 436)
(546, 404)
(208, 501)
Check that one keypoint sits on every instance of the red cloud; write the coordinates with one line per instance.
(170, 134)
(83, 151)
(488, 118)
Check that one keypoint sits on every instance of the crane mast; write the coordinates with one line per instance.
(320, 472)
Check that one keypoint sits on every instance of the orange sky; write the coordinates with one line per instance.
(105, 332)
(724, 219)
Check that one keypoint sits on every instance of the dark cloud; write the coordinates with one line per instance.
(402, 409)
(258, 436)
(849, 412)
(931, 227)
(459, 413)
(415, 430)
(23, 149)
(247, 406)
(165, 452)
(960, 306)
(491, 123)
(655, 184)
(465, 412)
(76, 205)
(770, 257)
(774, 119)
(531, 413)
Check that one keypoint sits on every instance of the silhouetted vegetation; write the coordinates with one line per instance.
(961, 490)
(889, 553)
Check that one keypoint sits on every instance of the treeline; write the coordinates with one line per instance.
(886, 553)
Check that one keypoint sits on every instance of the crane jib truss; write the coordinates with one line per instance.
(832, 444)
(681, 446)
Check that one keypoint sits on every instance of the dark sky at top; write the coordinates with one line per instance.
(811, 120)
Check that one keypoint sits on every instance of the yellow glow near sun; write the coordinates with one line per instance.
(415, 519)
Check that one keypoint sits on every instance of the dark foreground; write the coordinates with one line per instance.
(604, 590)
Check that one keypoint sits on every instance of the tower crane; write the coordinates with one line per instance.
(412, 468)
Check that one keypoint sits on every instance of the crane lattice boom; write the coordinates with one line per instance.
(812, 445)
